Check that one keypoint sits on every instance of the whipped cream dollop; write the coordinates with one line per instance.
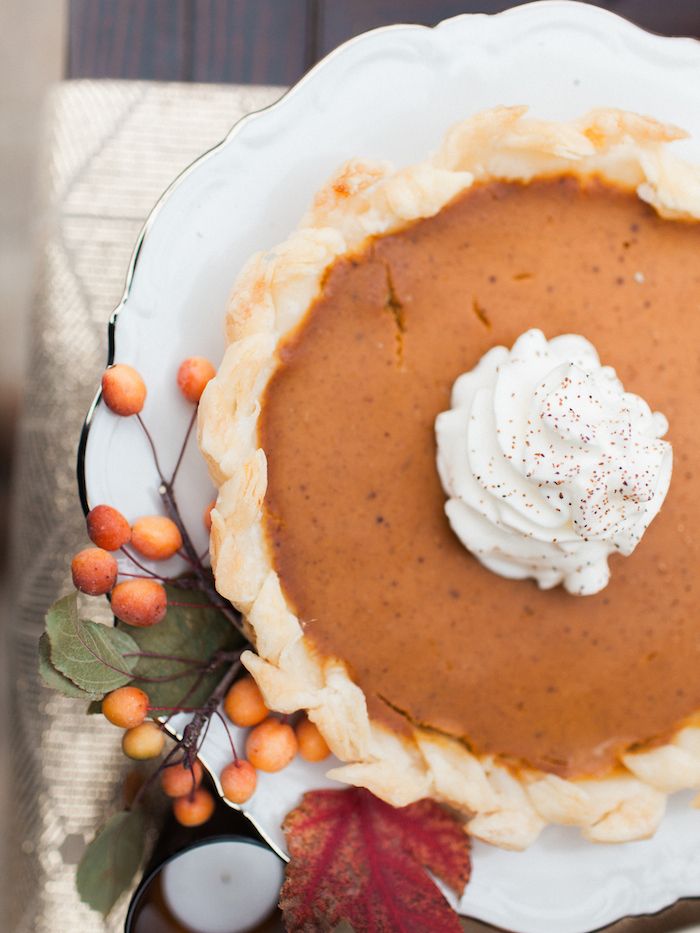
(549, 465)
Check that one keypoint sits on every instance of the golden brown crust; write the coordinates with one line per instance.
(270, 297)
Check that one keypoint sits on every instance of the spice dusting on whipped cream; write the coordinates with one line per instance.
(549, 465)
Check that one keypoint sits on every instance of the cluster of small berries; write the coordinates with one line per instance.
(270, 746)
(272, 742)
(128, 707)
(141, 601)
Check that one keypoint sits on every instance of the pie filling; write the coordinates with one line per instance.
(354, 510)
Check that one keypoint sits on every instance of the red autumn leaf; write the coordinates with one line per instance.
(354, 857)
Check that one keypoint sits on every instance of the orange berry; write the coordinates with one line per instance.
(123, 390)
(271, 745)
(194, 809)
(177, 780)
(107, 528)
(126, 707)
(238, 781)
(312, 745)
(94, 571)
(144, 741)
(156, 537)
(139, 602)
(206, 517)
(193, 375)
(244, 705)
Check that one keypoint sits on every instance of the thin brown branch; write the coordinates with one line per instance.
(184, 447)
(153, 448)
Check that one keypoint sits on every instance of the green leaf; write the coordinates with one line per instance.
(94, 708)
(196, 634)
(111, 860)
(53, 678)
(90, 654)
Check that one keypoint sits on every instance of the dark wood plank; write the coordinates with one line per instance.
(679, 18)
(256, 41)
(272, 41)
(341, 19)
(251, 41)
(129, 39)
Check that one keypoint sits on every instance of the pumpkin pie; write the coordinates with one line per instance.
(429, 674)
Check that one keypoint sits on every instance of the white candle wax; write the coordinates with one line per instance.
(225, 886)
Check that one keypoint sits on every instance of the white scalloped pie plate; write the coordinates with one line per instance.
(388, 94)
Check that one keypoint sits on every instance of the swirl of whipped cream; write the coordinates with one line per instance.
(549, 465)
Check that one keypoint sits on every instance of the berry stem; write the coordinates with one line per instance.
(152, 777)
(203, 737)
(140, 565)
(219, 658)
(166, 679)
(187, 558)
(184, 446)
(161, 657)
(228, 733)
(200, 721)
(190, 690)
(153, 448)
(204, 577)
(201, 668)
(173, 581)
(202, 606)
(179, 583)
(139, 576)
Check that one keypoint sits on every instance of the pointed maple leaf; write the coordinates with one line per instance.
(354, 857)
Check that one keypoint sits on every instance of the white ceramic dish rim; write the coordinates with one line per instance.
(526, 10)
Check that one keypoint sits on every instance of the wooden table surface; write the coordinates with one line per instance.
(272, 41)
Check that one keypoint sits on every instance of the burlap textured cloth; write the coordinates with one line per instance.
(110, 149)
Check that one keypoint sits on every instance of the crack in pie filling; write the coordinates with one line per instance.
(428, 673)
